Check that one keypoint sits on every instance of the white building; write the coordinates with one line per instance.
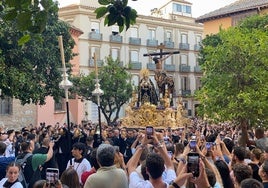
(172, 25)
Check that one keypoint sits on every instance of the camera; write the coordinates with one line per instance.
(209, 145)
(192, 144)
(149, 132)
(193, 163)
(52, 176)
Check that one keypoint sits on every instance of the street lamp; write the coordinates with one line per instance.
(66, 85)
(97, 92)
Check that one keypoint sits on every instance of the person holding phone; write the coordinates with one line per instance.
(156, 164)
(183, 175)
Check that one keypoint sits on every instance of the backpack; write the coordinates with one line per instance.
(30, 175)
(22, 162)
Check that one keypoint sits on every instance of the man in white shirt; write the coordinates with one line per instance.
(79, 163)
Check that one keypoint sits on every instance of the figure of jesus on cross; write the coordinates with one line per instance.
(158, 60)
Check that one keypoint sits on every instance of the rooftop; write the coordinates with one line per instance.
(234, 8)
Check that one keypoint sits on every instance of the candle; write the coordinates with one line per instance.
(62, 52)
(95, 63)
(161, 95)
(170, 95)
(166, 86)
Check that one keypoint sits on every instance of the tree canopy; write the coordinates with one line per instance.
(30, 72)
(114, 81)
(27, 15)
(235, 63)
(116, 12)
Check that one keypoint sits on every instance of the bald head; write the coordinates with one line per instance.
(46, 142)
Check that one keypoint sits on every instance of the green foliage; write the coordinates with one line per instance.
(116, 12)
(114, 81)
(255, 22)
(30, 71)
(27, 15)
(234, 85)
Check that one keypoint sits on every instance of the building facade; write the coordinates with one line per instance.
(171, 26)
(230, 15)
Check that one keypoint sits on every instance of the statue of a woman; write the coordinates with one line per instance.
(147, 92)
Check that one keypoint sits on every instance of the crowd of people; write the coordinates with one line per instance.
(198, 155)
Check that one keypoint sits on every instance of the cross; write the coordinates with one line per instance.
(158, 61)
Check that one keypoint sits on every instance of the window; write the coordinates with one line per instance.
(185, 104)
(185, 83)
(94, 50)
(179, 8)
(198, 83)
(59, 106)
(6, 106)
(115, 30)
(135, 80)
(134, 32)
(152, 34)
(150, 58)
(184, 59)
(134, 56)
(95, 26)
(168, 36)
(198, 39)
(186, 9)
(168, 61)
(196, 61)
(184, 38)
(94, 111)
(115, 53)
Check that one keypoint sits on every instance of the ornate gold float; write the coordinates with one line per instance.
(146, 108)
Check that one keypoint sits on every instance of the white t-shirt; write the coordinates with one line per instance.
(80, 168)
(135, 181)
(15, 185)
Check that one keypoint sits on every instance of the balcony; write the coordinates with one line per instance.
(169, 44)
(168, 67)
(100, 63)
(185, 68)
(135, 65)
(197, 69)
(186, 92)
(134, 41)
(152, 42)
(197, 47)
(95, 36)
(151, 66)
(116, 38)
(184, 46)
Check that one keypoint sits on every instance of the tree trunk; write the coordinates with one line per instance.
(244, 137)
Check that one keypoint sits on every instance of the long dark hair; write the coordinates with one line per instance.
(225, 174)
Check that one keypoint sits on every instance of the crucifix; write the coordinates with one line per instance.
(158, 60)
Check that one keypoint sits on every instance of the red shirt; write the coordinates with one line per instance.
(86, 174)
